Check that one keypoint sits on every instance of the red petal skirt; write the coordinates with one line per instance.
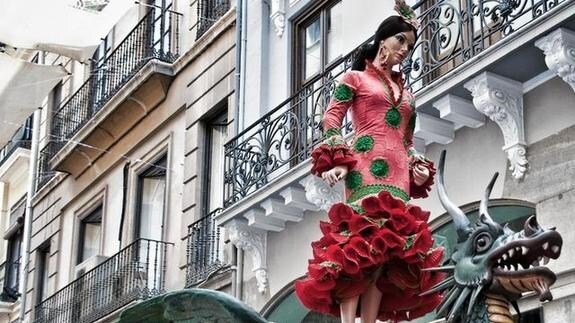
(384, 242)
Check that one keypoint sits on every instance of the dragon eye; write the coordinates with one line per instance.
(483, 242)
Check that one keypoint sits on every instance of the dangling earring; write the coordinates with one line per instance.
(383, 55)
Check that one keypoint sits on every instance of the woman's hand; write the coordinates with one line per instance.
(335, 174)
(420, 174)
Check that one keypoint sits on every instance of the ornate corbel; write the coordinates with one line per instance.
(254, 242)
(559, 50)
(320, 193)
(278, 16)
(501, 99)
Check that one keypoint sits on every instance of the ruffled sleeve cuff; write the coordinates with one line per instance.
(421, 191)
(331, 153)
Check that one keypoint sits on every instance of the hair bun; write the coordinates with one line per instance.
(366, 51)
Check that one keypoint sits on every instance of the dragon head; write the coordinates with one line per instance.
(493, 259)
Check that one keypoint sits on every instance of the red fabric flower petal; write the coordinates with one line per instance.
(326, 157)
(339, 213)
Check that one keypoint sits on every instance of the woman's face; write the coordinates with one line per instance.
(398, 46)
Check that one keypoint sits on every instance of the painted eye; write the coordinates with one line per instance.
(483, 242)
(400, 38)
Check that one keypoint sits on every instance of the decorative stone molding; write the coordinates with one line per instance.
(254, 242)
(559, 49)
(432, 129)
(501, 99)
(459, 111)
(320, 193)
(278, 16)
(419, 145)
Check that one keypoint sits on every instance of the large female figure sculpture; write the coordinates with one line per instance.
(370, 258)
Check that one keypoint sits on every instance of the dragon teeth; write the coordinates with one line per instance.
(535, 263)
(555, 249)
(504, 256)
(524, 250)
(545, 260)
(545, 245)
(511, 252)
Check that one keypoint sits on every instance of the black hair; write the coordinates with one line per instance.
(389, 27)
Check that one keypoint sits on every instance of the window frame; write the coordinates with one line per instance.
(220, 118)
(140, 175)
(96, 211)
(319, 10)
(42, 269)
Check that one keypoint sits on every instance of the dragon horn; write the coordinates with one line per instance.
(485, 201)
(460, 220)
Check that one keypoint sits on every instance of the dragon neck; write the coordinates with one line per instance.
(497, 309)
(491, 308)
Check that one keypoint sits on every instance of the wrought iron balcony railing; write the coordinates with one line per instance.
(452, 32)
(210, 11)
(154, 37)
(203, 249)
(136, 272)
(21, 139)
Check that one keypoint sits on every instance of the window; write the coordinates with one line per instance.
(90, 235)
(43, 273)
(151, 201)
(12, 268)
(318, 41)
(216, 137)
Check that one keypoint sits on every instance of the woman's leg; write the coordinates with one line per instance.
(348, 308)
(370, 301)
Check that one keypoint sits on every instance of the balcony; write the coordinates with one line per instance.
(210, 11)
(135, 273)
(203, 250)
(454, 35)
(22, 139)
(120, 91)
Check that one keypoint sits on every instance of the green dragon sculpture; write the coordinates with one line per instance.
(485, 274)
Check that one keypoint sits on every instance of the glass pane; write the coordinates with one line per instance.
(312, 48)
(91, 239)
(334, 32)
(152, 207)
(219, 135)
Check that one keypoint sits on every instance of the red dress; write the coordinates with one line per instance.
(375, 237)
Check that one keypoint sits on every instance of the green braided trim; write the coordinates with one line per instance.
(363, 191)
(342, 93)
(332, 132)
(357, 208)
(335, 141)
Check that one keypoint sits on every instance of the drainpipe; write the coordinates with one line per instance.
(239, 274)
(25, 262)
(241, 41)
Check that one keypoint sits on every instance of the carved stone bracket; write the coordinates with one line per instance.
(320, 193)
(278, 16)
(254, 242)
(559, 49)
(501, 99)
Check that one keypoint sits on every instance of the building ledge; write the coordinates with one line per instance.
(15, 165)
(133, 102)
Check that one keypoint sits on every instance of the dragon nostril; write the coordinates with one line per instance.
(531, 226)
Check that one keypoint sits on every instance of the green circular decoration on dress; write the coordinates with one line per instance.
(364, 144)
(379, 168)
(393, 117)
(342, 93)
(332, 132)
(353, 180)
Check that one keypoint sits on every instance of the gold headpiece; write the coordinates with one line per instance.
(407, 13)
